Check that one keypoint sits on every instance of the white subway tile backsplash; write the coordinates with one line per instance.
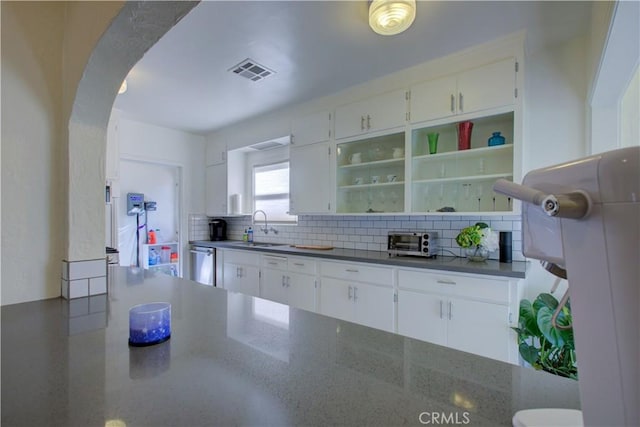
(370, 233)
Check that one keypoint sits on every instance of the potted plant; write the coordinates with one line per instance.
(477, 240)
(541, 344)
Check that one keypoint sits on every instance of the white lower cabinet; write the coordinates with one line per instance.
(348, 296)
(463, 312)
(480, 328)
(241, 272)
(289, 280)
(301, 289)
(472, 313)
(420, 316)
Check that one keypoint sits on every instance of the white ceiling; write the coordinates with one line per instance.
(316, 48)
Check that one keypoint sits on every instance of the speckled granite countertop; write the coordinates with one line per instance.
(461, 265)
(237, 360)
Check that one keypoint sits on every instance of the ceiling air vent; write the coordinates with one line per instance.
(251, 70)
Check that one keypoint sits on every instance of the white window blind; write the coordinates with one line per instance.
(271, 191)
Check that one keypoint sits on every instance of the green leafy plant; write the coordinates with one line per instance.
(478, 235)
(541, 344)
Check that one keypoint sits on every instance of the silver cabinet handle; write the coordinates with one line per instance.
(453, 103)
(446, 282)
(460, 103)
(352, 270)
(299, 264)
(450, 310)
(355, 293)
(272, 263)
(441, 304)
(350, 292)
(288, 281)
(361, 122)
(283, 276)
(209, 252)
(368, 122)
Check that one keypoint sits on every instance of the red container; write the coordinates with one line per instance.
(464, 135)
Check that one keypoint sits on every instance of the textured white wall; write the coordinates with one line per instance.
(555, 128)
(630, 113)
(555, 105)
(32, 150)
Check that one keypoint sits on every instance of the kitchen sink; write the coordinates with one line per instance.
(257, 244)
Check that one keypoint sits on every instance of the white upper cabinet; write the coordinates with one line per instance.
(434, 99)
(374, 114)
(216, 189)
(310, 182)
(482, 88)
(311, 128)
(215, 154)
(486, 87)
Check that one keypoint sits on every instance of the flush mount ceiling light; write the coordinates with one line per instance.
(123, 87)
(390, 17)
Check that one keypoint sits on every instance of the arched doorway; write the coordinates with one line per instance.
(132, 32)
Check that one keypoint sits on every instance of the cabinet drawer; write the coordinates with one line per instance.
(486, 288)
(302, 265)
(358, 272)
(277, 262)
(241, 257)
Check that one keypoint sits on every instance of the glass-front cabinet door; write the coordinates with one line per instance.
(370, 175)
(451, 173)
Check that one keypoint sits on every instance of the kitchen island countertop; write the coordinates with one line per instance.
(233, 359)
(516, 269)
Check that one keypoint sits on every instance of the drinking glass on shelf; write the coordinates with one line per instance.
(426, 195)
(441, 195)
(395, 198)
(382, 197)
(453, 196)
(481, 168)
(443, 170)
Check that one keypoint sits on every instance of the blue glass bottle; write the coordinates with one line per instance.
(496, 139)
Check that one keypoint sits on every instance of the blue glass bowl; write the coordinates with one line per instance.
(149, 324)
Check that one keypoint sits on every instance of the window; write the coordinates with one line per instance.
(271, 191)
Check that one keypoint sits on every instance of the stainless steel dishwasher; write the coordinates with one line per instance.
(203, 265)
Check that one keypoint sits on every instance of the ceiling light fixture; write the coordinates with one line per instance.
(123, 87)
(390, 17)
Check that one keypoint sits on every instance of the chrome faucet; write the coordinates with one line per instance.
(266, 227)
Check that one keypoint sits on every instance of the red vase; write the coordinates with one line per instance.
(464, 135)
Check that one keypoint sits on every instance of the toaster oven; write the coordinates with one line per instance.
(412, 243)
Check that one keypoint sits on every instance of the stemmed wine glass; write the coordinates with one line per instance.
(427, 202)
(479, 192)
(467, 193)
